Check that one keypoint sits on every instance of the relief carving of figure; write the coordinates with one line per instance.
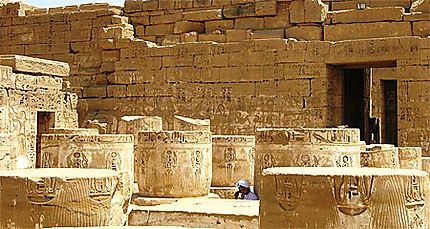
(113, 161)
(170, 163)
(352, 194)
(77, 160)
(365, 159)
(344, 161)
(230, 158)
(415, 201)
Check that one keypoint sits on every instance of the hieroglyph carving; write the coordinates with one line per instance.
(352, 193)
(321, 136)
(288, 193)
(77, 160)
(43, 190)
(415, 201)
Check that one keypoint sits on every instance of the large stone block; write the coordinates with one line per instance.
(188, 26)
(410, 157)
(315, 11)
(421, 28)
(380, 156)
(331, 147)
(305, 33)
(232, 159)
(73, 149)
(368, 15)
(188, 124)
(174, 163)
(35, 65)
(203, 15)
(62, 198)
(135, 124)
(341, 32)
(344, 198)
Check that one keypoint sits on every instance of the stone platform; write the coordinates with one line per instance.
(153, 201)
(198, 212)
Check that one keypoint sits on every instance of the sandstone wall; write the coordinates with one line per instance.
(22, 95)
(240, 84)
(171, 22)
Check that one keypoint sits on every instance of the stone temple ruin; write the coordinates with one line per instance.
(147, 114)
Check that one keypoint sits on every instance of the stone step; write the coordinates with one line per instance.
(195, 212)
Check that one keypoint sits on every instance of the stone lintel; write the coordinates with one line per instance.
(35, 65)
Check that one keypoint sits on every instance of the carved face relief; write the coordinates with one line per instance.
(43, 190)
(288, 192)
(77, 160)
(352, 194)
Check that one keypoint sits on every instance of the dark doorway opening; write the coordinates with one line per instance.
(389, 130)
(45, 121)
(356, 100)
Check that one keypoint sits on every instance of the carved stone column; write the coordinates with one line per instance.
(426, 164)
(232, 160)
(380, 156)
(331, 147)
(174, 163)
(37, 198)
(293, 197)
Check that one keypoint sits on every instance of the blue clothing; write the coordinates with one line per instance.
(250, 196)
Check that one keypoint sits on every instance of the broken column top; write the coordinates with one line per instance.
(336, 171)
(33, 65)
(64, 173)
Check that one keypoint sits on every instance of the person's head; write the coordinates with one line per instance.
(243, 186)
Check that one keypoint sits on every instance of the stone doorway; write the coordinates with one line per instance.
(389, 115)
(356, 100)
(45, 121)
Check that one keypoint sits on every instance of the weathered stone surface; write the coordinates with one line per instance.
(315, 11)
(305, 33)
(224, 192)
(221, 25)
(62, 198)
(35, 65)
(344, 197)
(188, 26)
(421, 28)
(200, 213)
(426, 164)
(305, 148)
(367, 30)
(174, 163)
(368, 15)
(188, 124)
(135, 124)
(237, 35)
(410, 158)
(232, 159)
(203, 15)
(380, 156)
(237, 11)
